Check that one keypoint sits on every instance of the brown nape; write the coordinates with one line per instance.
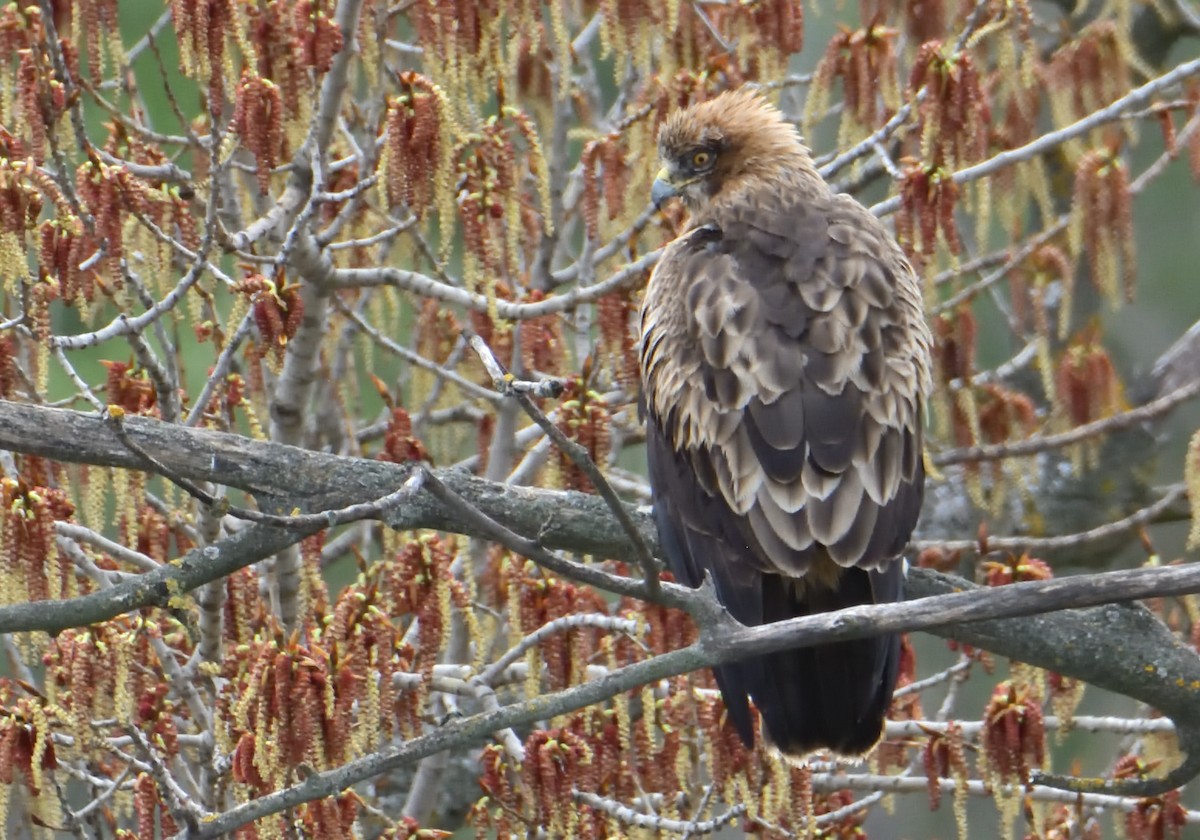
(753, 134)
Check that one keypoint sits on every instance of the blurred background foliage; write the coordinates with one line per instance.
(497, 174)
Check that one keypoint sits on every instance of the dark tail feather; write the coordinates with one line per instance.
(832, 696)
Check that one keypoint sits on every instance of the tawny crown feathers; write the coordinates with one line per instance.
(751, 134)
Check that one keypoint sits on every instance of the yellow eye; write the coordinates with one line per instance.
(701, 159)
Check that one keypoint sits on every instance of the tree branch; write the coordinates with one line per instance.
(1083, 643)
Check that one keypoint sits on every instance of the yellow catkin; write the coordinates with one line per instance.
(13, 264)
(737, 789)
(541, 170)
(975, 486)
(961, 795)
(490, 60)
(115, 49)
(379, 303)
(1009, 803)
(1062, 113)
(1108, 272)
(41, 741)
(252, 422)
(296, 129)
(78, 24)
(266, 748)
(643, 49)
(1191, 476)
(684, 765)
(620, 702)
(983, 212)
(370, 712)
(47, 808)
(5, 792)
(119, 482)
(8, 103)
(671, 7)
(816, 103)
(241, 28)
(445, 180)
(514, 234)
(381, 185)
(610, 34)
(968, 406)
(649, 713)
(1064, 704)
(197, 304)
(371, 62)
(775, 797)
(273, 828)
(123, 699)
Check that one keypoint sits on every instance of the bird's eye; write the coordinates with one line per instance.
(701, 159)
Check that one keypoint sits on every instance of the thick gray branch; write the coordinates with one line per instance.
(1121, 648)
(156, 588)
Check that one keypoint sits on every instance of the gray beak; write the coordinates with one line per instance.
(661, 191)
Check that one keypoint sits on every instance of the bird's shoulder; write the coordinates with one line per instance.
(780, 281)
(784, 358)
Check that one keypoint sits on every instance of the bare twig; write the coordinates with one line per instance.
(629, 816)
(1105, 425)
(504, 382)
(429, 287)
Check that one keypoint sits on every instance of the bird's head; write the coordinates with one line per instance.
(710, 147)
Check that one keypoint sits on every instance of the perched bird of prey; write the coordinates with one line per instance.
(784, 361)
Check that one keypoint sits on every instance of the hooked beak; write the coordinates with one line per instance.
(662, 189)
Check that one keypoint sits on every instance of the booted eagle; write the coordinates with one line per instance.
(784, 360)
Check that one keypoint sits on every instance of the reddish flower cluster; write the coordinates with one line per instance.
(317, 38)
(1005, 413)
(28, 552)
(543, 347)
(20, 200)
(954, 344)
(494, 205)
(284, 716)
(129, 387)
(415, 126)
(955, 112)
(10, 374)
(584, 418)
(64, 251)
(1067, 822)
(943, 757)
(616, 317)
(542, 599)
(1157, 818)
(1091, 70)
(1087, 381)
(26, 747)
(109, 193)
(606, 175)
(258, 120)
(928, 196)
(1102, 222)
(41, 97)
(864, 61)
(451, 27)
(399, 445)
(1014, 734)
(278, 310)
(202, 26)
(1015, 569)
(150, 809)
